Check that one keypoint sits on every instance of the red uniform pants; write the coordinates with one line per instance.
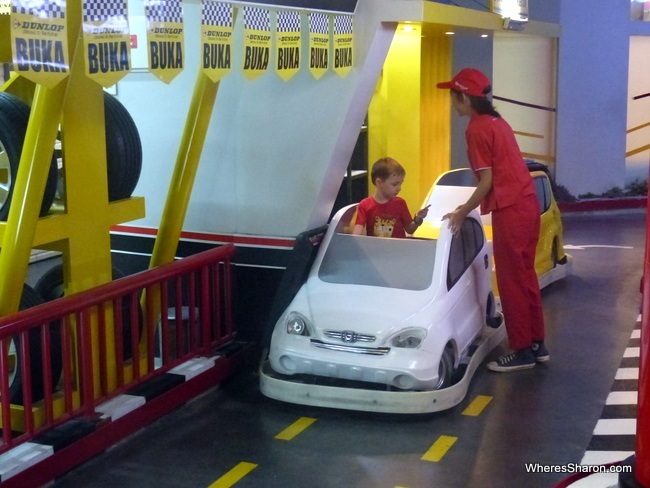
(515, 232)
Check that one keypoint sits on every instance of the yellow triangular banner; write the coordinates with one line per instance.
(165, 38)
(288, 45)
(216, 39)
(39, 41)
(107, 43)
(343, 44)
(319, 44)
(257, 41)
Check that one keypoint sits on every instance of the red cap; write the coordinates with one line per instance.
(470, 81)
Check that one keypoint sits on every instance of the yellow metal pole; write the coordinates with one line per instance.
(29, 186)
(187, 163)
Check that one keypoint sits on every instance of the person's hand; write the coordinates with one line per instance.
(422, 213)
(456, 219)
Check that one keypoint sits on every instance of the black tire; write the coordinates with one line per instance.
(446, 369)
(14, 115)
(50, 287)
(30, 299)
(123, 150)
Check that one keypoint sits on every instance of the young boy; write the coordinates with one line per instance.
(385, 214)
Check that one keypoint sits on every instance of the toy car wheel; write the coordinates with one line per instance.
(50, 287)
(14, 115)
(29, 299)
(445, 369)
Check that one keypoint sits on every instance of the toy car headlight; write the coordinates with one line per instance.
(297, 324)
(409, 338)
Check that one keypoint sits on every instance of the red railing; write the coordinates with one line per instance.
(63, 358)
(642, 452)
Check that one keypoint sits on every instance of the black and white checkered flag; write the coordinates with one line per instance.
(167, 11)
(257, 19)
(104, 10)
(319, 23)
(45, 9)
(288, 21)
(217, 13)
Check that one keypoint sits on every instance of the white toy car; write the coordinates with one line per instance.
(391, 325)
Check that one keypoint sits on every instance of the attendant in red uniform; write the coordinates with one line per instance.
(506, 189)
(385, 214)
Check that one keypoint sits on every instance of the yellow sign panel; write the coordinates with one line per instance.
(216, 39)
(5, 7)
(165, 38)
(107, 43)
(257, 41)
(319, 44)
(39, 41)
(343, 44)
(288, 42)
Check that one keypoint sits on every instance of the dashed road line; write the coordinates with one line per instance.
(439, 448)
(477, 406)
(296, 428)
(234, 475)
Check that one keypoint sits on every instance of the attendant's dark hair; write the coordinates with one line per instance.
(480, 105)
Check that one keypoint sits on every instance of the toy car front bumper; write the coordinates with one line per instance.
(294, 390)
(560, 271)
(408, 369)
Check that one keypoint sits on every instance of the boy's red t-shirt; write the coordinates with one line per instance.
(384, 219)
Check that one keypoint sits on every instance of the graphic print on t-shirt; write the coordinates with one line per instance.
(384, 227)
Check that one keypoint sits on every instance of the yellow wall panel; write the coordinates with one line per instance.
(408, 117)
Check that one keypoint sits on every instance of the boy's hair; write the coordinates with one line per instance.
(384, 168)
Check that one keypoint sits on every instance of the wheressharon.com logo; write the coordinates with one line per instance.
(576, 468)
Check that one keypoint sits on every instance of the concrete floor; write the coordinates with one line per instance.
(227, 437)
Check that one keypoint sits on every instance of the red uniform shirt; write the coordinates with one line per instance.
(384, 219)
(492, 144)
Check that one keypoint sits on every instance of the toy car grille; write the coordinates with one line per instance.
(349, 336)
(373, 351)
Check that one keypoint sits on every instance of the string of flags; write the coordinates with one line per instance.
(273, 39)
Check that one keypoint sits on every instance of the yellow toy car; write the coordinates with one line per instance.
(454, 187)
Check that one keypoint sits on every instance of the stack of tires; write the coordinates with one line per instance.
(124, 163)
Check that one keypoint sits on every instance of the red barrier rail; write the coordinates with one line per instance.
(63, 358)
(642, 452)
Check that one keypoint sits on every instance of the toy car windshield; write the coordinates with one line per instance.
(377, 261)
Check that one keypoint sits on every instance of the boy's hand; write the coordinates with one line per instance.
(422, 213)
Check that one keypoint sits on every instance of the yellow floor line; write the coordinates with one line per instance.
(439, 448)
(234, 475)
(294, 429)
(475, 408)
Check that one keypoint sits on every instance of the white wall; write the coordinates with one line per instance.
(525, 70)
(276, 151)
